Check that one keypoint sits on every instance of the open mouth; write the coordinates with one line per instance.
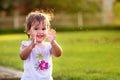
(40, 36)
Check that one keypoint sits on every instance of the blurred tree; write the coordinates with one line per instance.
(84, 6)
(6, 5)
(117, 8)
(71, 6)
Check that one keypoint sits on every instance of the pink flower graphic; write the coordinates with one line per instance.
(43, 65)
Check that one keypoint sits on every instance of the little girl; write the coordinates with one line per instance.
(37, 53)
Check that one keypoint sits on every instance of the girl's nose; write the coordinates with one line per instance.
(40, 31)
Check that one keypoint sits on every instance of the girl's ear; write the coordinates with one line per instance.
(28, 32)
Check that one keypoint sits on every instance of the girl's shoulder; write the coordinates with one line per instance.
(26, 43)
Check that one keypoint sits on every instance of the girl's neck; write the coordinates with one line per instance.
(41, 45)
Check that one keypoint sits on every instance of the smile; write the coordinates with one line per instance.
(40, 36)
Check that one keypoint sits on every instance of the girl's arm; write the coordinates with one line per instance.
(56, 50)
(26, 51)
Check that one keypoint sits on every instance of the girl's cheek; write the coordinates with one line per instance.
(32, 34)
(46, 34)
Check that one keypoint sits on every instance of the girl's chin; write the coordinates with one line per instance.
(39, 41)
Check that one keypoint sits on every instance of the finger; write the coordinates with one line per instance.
(35, 40)
(52, 32)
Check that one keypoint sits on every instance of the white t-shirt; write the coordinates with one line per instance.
(38, 65)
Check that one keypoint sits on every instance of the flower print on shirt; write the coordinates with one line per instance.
(41, 63)
(39, 56)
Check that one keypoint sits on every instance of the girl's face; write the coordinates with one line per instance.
(38, 31)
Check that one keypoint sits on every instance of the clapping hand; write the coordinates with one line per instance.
(51, 35)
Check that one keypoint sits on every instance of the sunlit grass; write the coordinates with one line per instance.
(87, 55)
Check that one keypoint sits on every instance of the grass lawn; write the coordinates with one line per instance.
(87, 55)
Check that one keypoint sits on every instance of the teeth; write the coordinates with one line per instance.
(39, 36)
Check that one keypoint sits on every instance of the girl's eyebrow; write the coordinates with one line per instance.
(37, 25)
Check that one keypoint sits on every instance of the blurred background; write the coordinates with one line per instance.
(87, 30)
(68, 13)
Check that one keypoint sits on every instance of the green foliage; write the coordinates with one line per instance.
(65, 28)
(87, 55)
(71, 6)
(74, 6)
(85, 28)
(8, 31)
(117, 9)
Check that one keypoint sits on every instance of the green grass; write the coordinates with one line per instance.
(87, 55)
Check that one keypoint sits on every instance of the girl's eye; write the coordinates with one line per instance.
(35, 28)
(43, 28)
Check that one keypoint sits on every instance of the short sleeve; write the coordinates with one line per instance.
(24, 43)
